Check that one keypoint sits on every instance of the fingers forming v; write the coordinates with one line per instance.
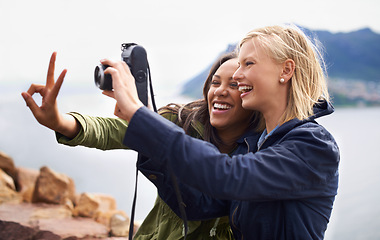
(56, 87)
(50, 74)
(49, 92)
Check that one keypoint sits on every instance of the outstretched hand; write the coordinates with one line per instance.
(47, 114)
(125, 91)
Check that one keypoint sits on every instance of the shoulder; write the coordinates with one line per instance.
(313, 130)
(169, 113)
(313, 142)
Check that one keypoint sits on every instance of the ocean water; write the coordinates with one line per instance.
(357, 131)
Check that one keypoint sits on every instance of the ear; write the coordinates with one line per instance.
(288, 69)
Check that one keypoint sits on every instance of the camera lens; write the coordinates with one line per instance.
(102, 81)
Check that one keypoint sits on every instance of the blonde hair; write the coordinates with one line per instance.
(308, 84)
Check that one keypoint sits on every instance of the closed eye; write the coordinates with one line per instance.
(215, 82)
(249, 63)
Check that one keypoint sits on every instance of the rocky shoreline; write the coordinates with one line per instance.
(43, 204)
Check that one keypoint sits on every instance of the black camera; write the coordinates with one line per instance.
(136, 58)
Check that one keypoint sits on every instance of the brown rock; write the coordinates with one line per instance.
(8, 192)
(47, 211)
(8, 195)
(28, 213)
(119, 225)
(6, 180)
(78, 227)
(86, 206)
(46, 235)
(53, 218)
(90, 204)
(26, 180)
(106, 202)
(7, 164)
(53, 187)
(105, 217)
(12, 230)
(49, 203)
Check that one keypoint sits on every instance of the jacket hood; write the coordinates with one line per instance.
(322, 108)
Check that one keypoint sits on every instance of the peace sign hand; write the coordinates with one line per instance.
(47, 114)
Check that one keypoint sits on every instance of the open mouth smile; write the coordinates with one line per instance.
(245, 88)
(221, 106)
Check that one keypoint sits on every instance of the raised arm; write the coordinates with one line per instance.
(281, 171)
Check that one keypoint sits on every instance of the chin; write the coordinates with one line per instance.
(245, 104)
(217, 124)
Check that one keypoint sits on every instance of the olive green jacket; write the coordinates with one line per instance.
(161, 222)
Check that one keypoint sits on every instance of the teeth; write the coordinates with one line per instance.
(221, 106)
(245, 88)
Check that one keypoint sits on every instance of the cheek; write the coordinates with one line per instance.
(242, 112)
(210, 95)
(235, 94)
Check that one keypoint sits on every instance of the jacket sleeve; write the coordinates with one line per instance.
(303, 164)
(198, 206)
(101, 132)
(97, 132)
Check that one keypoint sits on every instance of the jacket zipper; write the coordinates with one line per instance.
(245, 140)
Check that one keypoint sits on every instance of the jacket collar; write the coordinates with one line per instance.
(322, 108)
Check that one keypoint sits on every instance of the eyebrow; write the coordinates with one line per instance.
(247, 58)
(231, 78)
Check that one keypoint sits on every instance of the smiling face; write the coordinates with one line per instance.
(259, 79)
(224, 102)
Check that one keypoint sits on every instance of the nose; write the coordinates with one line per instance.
(221, 90)
(237, 75)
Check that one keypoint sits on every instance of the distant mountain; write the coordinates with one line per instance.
(353, 55)
(350, 56)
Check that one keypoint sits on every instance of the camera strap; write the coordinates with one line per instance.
(181, 204)
(131, 223)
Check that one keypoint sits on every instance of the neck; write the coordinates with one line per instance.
(229, 139)
(272, 119)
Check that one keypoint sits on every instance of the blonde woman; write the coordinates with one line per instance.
(285, 187)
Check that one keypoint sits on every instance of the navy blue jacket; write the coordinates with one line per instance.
(284, 190)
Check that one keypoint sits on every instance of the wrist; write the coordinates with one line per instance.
(68, 126)
(133, 110)
(126, 111)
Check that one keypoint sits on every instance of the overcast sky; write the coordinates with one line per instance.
(181, 37)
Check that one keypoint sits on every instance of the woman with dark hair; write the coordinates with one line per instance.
(218, 118)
